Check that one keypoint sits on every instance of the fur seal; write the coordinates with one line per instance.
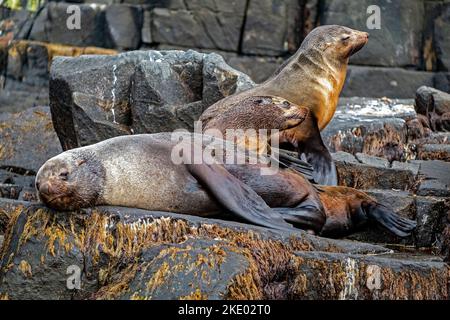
(139, 171)
(312, 78)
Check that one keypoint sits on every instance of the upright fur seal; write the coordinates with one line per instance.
(139, 171)
(312, 78)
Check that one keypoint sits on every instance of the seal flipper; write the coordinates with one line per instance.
(289, 159)
(316, 153)
(308, 215)
(396, 224)
(237, 197)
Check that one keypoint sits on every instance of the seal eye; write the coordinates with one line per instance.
(345, 38)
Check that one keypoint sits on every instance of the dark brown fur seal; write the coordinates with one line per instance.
(138, 171)
(313, 78)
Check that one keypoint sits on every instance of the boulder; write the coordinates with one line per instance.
(27, 140)
(384, 82)
(397, 43)
(435, 105)
(272, 27)
(140, 91)
(134, 254)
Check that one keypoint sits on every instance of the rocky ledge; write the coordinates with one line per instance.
(397, 150)
(133, 254)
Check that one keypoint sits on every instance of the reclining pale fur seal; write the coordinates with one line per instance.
(139, 171)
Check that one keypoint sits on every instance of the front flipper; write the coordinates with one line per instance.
(311, 146)
(308, 215)
(236, 196)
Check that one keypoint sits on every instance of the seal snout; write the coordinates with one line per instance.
(51, 184)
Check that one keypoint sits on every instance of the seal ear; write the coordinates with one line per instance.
(384, 216)
(236, 196)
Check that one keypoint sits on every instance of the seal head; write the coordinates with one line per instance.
(335, 42)
(70, 181)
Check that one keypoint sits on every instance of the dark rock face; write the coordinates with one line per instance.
(40, 246)
(199, 24)
(401, 24)
(272, 36)
(27, 140)
(435, 177)
(437, 26)
(384, 82)
(124, 25)
(51, 26)
(142, 91)
(26, 77)
(368, 277)
(371, 174)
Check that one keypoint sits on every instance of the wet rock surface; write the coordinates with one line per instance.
(230, 259)
(27, 140)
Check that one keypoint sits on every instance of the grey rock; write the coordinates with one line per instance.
(146, 31)
(435, 178)
(321, 275)
(31, 129)
(355, 131)
(258, 68)
(413, 167)
(363, 176)
(428, 99)
(435, 105)
(140, 91)
(344, 157)
(396, 43)
(52, 26)
(31, 268)
(272, 27)
(10, 191)
(195, 268)
(431, 214)
(199, 24)
(436, 43)
(434, 152)
(124, 24)
(384, 82)
(28, 63)
(372, 161)
(13, 101)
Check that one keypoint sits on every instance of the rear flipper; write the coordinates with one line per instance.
(384, 216)
(308, 215)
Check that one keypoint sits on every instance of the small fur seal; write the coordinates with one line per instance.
(138, 171)
(312, 78)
